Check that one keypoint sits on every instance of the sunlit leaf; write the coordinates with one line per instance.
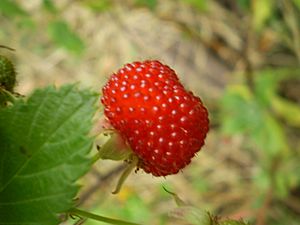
(265, 87)
(151, 4)
(44, 147)
(270, 136)
(49, 6)
(240, 112)
(297, 3)
(245, 4)
(243, 114)
(287, 110)
(198, 4)
(98, 6)
(262, 11)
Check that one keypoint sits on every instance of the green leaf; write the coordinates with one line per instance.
(288, 110)
(63, 36)
(151, 4)
(192, 215)
(98, 6)
(244, 4)
(44, 147)
(265, 87)
(11, 9)
(50, 6)
(262, 12)
(270, 136)
(243, 113)
(297, 3)
(240, 112)
(201, 5)
(263, 181)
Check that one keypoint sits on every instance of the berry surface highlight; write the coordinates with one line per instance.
(162, 122)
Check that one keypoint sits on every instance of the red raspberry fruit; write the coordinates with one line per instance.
(164, 124)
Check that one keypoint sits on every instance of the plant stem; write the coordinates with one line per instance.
(126, 173)
(92, 216)
(96, 157)
(6, 47)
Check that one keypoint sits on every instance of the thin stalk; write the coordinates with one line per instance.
(126, 173)
(6, 47)
(84, 214)
(96, 157)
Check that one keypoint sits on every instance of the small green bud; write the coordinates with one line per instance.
(7, 74)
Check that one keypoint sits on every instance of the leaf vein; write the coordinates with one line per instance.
(74, 112)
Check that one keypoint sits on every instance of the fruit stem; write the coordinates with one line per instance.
(126, 173)
(96, 157)
(88, 215)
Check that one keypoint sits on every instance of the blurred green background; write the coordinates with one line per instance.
(241, 56)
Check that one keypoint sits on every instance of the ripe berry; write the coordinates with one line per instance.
(164, 124)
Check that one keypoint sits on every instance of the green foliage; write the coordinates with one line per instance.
(151, 4)
(98, 6)
(50, 6)
(244, 4)
(297, 3)
(263, 117)
(201, 5)
(44, 147)
(287, 110)
(133, 208)
(255, 114)
(266, 93)
(262, 12)
(11, 9)
(63, 36)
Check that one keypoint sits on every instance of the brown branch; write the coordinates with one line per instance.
(247, 59)
(214, 44)
(6, 47)
(263, 211)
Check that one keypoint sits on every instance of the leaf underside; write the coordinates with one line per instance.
(43, 150)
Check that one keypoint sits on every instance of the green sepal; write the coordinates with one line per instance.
(115, 149)
(7, 74)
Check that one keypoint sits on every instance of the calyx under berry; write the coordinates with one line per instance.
(7, 74)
